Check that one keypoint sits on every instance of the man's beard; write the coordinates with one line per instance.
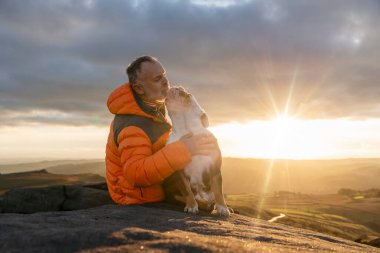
(164, 93)
(159, 100)
(156, 101)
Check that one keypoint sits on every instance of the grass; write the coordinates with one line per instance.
(329, 214)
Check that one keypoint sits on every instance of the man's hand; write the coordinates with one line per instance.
(200, 144)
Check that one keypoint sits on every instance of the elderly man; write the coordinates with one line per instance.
(137, 157)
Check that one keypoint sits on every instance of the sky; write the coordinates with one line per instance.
(287, 70)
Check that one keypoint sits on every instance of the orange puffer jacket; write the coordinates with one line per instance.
(137, 159)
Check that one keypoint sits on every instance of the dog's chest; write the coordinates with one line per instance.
(199, 167)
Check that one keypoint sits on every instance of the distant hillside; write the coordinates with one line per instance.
(73, 168)
(242, 176)
(20, 167)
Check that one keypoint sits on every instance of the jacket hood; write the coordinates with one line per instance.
(124, 101)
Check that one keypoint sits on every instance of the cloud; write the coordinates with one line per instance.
(240, 59)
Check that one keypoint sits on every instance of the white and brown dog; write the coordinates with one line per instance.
(199, 184)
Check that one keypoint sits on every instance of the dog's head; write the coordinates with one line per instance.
(179, 101)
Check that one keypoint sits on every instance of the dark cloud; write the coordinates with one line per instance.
(59, 60)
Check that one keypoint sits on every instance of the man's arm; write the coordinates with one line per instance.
(143, 168)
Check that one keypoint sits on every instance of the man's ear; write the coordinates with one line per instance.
(138, 88)
(204, 119)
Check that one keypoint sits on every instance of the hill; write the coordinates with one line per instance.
(31, 166)
(244, 176)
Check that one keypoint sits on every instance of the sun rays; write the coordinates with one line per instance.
(284, 126)
(284, 136)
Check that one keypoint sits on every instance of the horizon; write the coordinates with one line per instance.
(279, 80)
(253, 139)
(5, 162)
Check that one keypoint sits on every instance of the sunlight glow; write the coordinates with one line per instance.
(52, 142)
(282, 137)
(290, 138)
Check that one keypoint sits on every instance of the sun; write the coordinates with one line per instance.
(284, 123)
(283, 129)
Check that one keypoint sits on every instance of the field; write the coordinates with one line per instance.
(244, 176)
(331, 214)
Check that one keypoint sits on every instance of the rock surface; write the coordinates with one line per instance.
(42, 178)
(375, 242)
(54, 198)
(157, 228)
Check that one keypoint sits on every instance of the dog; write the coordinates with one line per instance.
(199, 184)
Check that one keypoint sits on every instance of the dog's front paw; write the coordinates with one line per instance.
(221, 210)
(192, 209)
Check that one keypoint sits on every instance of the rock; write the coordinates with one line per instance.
(375, 242)
(79, 197)
(158, 228)
(100, 186)
(55, 198)
(41, 178)
(33, 200)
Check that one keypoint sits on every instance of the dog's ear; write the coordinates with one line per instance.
(204, 119)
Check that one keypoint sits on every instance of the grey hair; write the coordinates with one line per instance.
(135, 66)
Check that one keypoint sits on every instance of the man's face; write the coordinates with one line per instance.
(153, 83)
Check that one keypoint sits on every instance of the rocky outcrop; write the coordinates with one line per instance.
(55, 198)
(80, 218)
(158, 228)
(375, 242)
(42, 178)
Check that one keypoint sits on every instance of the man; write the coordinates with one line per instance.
(137, 157)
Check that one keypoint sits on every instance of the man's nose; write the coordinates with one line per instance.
(165, 82)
